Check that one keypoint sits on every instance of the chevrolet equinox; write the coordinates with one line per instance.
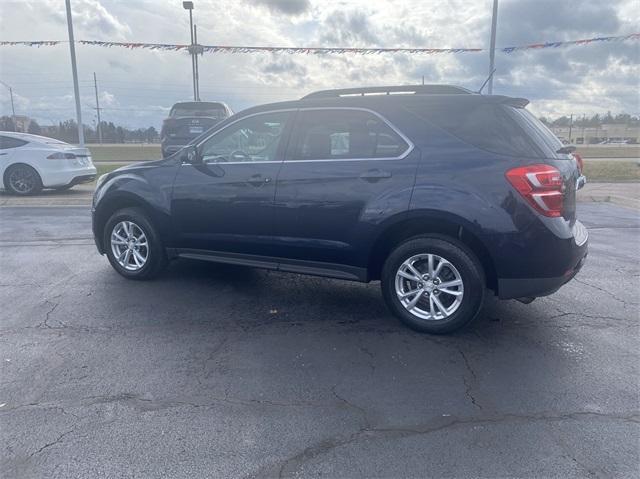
(438, 192)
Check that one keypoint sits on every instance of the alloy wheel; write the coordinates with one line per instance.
(23, 180)
(429, 287)
(129, 245)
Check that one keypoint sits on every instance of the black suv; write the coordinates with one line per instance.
(188, 120)
(438, 192)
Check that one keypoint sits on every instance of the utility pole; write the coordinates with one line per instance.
(423, 79)
(195, 56)
(570, 126)
(99, 128)
(492, 51)
(74, 71)
(189, 6)
(13, 110)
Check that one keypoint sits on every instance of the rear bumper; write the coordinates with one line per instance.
(513, 288)
(64, 177)
(573, 257)
(78, 180)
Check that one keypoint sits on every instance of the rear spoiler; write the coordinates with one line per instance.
(506, 100)
(515, 102)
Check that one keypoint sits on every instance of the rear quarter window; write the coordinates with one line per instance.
(489, 127)
(7, 142)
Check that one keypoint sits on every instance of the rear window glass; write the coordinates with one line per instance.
(487, 126)
(8, 142)
(537, 128)
(215, 110)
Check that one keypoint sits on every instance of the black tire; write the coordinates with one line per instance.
(22, 180)
(156, 259)
(466, 265)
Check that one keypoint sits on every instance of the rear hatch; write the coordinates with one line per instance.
(501, 125)
(189, 120)
(552, 152)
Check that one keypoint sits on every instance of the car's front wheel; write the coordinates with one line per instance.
(22, 180)
(433, 284)
(133, 245)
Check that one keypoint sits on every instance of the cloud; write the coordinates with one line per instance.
(135, 84)
(288, 7)
(91, 15)
(351, 28)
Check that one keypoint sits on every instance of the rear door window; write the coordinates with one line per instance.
(487, 126)
(345, 134)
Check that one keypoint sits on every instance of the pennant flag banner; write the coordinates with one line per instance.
(322, 50)
(30, 44)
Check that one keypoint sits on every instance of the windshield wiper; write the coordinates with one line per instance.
(566, 149)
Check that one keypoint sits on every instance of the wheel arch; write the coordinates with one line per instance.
(430, 222)
(108, 206)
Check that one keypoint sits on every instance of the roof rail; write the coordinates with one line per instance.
(390, 90)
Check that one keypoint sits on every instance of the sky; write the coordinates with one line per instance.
(137, 87)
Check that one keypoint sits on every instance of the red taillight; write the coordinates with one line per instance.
(579, 161)
(541, 185)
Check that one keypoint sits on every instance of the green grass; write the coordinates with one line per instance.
(124, 152)
(626, 151)
(102, 169)
(611, 171)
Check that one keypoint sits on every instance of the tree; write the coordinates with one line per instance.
(34, 128)
(6, 124)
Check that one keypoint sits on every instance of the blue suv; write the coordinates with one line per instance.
(438, 192)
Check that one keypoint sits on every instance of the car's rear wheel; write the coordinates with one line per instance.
(433, 284)
(22, 180)
(133, 245)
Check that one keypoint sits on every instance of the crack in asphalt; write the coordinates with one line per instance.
(468, 386)
(211, 356)
(326, 445)
(361, 410)
(623, 301)
(50, 444)
(45, 323)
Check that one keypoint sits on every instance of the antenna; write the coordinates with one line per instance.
(487, 80)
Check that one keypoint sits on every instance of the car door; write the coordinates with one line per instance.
(347, 170)
(225, 202)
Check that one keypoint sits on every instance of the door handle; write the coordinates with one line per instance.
(258, 180)
(375, 175)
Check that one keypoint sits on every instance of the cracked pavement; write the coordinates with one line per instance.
(223, 371)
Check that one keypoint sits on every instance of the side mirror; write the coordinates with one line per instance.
(190, 155)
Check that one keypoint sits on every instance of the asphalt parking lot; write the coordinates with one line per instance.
(221, 371)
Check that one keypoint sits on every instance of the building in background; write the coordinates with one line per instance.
(592, 135)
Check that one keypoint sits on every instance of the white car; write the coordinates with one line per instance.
(29, 163)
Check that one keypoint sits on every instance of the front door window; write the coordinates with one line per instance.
(252, 139)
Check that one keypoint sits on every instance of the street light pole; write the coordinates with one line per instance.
(189, 6)
(492, 51)
(74, 71)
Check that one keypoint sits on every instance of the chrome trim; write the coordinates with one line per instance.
(406, 153)
(374, 113)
